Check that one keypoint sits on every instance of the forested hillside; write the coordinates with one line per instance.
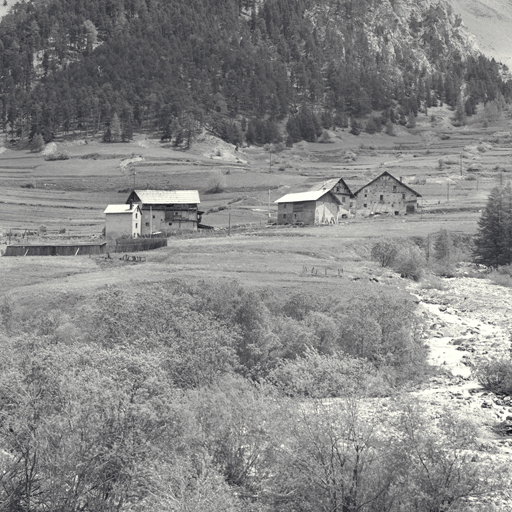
(236, 65)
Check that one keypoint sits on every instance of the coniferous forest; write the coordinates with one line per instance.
(236, 66)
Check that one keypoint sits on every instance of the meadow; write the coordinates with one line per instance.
(213, 374)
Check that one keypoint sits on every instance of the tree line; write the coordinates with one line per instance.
(69, 65)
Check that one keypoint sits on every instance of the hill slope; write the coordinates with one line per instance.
(162, 65)
(489, 21)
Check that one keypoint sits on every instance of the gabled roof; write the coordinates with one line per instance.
(330, 184)
(121, 208)
(386, 173)
(165, 196)
(312, 195)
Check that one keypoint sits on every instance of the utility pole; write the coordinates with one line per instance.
(270, 154)
(133, 173)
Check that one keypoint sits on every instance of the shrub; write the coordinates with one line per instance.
(384, 253)
(325, 138)
(433, 283)
(410, 263)
(501, 279)
(57, 156)
(323, 376)
(496, 376)
(215, 184)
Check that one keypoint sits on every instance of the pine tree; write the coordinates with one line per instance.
(37, 143)
(115, 128)
(355, 128)
(493, 242)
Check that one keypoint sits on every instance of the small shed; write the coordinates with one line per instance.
(123, 220)
(309, 208)
(167, 210)
(386, 194)
(342, 192)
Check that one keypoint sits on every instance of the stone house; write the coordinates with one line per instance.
(309, 208)
(342, 192)
(386, 194)
(167, 210)
(123, 220)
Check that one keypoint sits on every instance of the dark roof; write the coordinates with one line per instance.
(386, 173)
(330, 184)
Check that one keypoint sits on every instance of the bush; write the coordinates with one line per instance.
(325, 376)
(325, 138)
(57, 156)
(385, 253)
(433, 283)
(410, 263)
(215, 184)
(496, 376)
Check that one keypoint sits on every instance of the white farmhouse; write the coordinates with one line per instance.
(123, 220)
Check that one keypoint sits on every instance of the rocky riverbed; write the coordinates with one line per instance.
(468, 323)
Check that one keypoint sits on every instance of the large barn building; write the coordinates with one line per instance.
(309, 208)
(386, 194)
(342, 192)
(167, 210)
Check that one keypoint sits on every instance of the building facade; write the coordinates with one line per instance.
(167, 210)
(342, 191)
(386, 195)
(309, 208)
(123, 220)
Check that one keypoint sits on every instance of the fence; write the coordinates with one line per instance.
(139, 244)
(55, 250)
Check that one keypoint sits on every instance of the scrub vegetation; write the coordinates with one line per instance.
(209, 396)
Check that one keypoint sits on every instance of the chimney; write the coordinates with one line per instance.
(400, 179)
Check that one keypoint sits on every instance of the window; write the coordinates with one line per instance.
(364, 205)
(403, 196)
(365, 194)
(343, 199)
(381, 198)
(153, 216)
(170, 223)
(135, 215)
(147, 223)
(394, 188)
(284, 215)
(136, 225)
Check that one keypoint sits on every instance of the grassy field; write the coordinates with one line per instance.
(69, 196)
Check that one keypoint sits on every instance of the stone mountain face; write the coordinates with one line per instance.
(422, 29)
(490, 22)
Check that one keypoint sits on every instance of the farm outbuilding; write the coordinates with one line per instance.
(386, 194)
(56, 249)
(309, 208)
(123, 220)
(342, 192)
(167, 210)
